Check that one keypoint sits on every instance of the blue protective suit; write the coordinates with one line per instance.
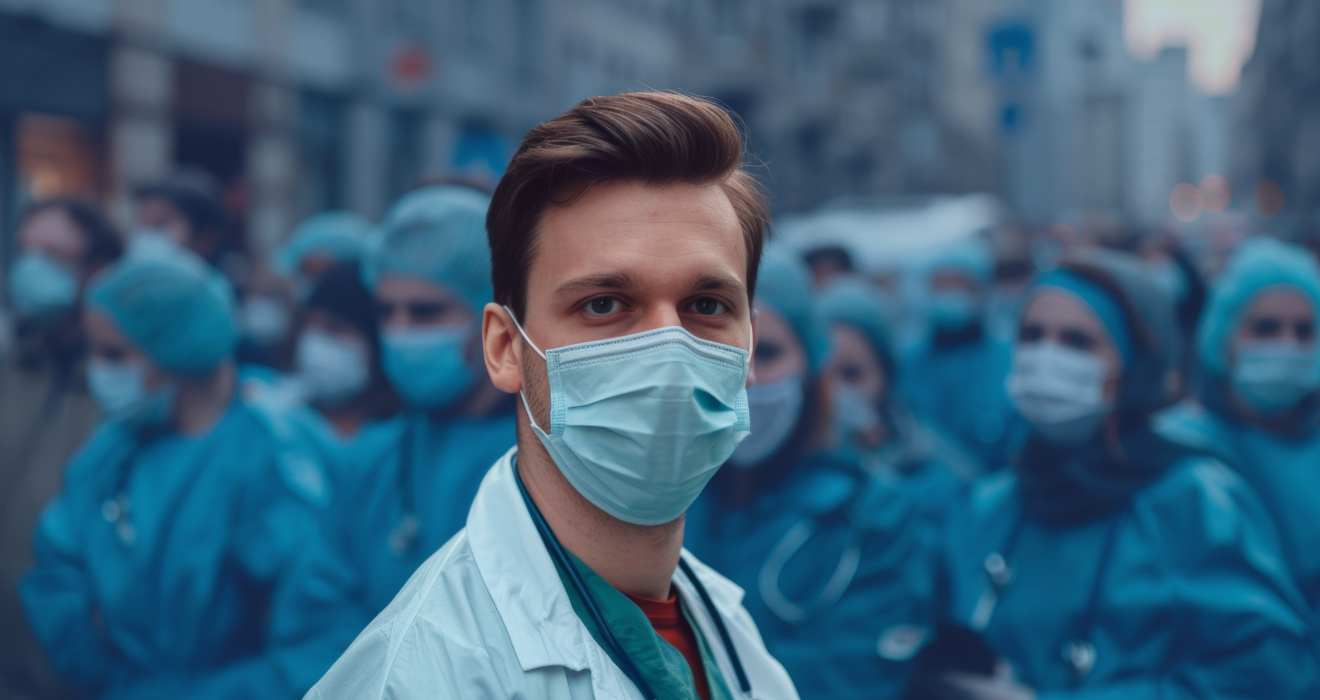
(836, 650)
(960, 388)
(1284, 471)
(218, 584)
(430, 466)
(1191, 601)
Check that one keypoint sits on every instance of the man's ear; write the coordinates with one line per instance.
(499, 345)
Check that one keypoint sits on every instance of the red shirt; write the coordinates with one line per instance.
(669, 622)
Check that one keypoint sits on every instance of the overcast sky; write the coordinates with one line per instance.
(1219, 35)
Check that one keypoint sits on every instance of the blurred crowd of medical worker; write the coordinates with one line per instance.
(1090, 473)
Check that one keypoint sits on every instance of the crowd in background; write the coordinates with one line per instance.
(1083, 474)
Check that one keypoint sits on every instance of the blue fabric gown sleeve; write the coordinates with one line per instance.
(1241, 625)
(57, 592)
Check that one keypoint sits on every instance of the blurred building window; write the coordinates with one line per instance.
(56, 156)
(322, 135)
(405, 151)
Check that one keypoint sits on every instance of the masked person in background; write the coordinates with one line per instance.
(320, 243)
(624, 243)
(407, 491)
(1111, 562)
(1258, 395)
(45, 409)
(955, 379)
(188, 210)
(870, 422)
(832, 560)
(184, 557)
(338, 373)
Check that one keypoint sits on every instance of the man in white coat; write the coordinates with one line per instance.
(625, 239)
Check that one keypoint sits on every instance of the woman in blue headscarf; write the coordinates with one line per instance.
(406, 493)
(1111, 562)
(184, 556)
(1258, 404)
(833, 560)
(870, 421)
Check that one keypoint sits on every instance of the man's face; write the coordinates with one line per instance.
(628, 257)
(157, 213)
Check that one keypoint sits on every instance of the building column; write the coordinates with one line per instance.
(140, 130)
(368, 150)
(272, 166)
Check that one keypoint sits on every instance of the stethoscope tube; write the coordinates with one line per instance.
(626, 664)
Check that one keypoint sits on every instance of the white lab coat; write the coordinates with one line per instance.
(487, 617)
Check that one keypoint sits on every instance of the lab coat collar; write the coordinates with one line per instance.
(521, 577)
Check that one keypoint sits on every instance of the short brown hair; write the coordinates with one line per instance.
(653, 137)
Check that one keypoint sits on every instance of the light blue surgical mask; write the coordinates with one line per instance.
(1272, 377)
(120, 390)
(41, 287)
(951, 310)
(429, 367)
(774, 409)
(639, 424)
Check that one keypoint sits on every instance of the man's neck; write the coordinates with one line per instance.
(202, 402)
(636, 559)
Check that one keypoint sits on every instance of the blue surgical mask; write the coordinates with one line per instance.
(951, 310)
(774, 410)
(1272, 377)
(429, 366)
(120, 390)
(639, 424)
(42, 288)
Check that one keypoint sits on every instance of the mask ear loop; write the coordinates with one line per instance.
(521, 394)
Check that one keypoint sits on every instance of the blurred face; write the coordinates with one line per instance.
(314, 265)
(335, 325)
(1280, 315)
(855, 365)
(106, 343)
(953, 281)
(408, 303)
(1058, 317)
(157, 213)
(779, 354)
(53, 233)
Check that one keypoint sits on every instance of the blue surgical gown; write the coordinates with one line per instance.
(932, 470)
(1192, 601)
(860, 645)
(221, 585)
(960, 389)
(1283, 471)
(446, 459)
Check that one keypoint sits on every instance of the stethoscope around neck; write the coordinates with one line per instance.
(626, 664)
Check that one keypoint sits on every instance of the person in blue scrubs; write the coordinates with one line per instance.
(1110, 561)
(184, 557)
(955, 379)
(834, 561)
(406, 495)
(338, 374)
(870, 421)
(1257, 402)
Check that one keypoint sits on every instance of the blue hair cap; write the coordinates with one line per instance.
(436, 234)
(784, 284)
(855, 302)
(1258, 265)
(1101, 302)
(338, 235)
(171, 304)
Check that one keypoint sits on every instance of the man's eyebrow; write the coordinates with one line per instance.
(612, 280)
(717, 283)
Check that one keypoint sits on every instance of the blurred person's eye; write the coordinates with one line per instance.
(427, 310)
(1305, 331)
(1031, 334)
(768, 352)
(851, 374)
(1078, 340)
(1266, 327)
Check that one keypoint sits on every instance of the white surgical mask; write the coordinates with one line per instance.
(774, 410)
(120, 390)
(1059, 391)
(639, 424)
(332, 369)
(41, 287)
(1272, 377)
(851, 413)
(265, 319)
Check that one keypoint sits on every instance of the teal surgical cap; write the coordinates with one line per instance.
(339, 235)
(171, 304)
(784, 284)
(438, 235)
(855, 302)
(970, 257)
(1258, 265)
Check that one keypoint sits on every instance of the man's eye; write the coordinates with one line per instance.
(1266, 328)
(709, 307)
(603, 306)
